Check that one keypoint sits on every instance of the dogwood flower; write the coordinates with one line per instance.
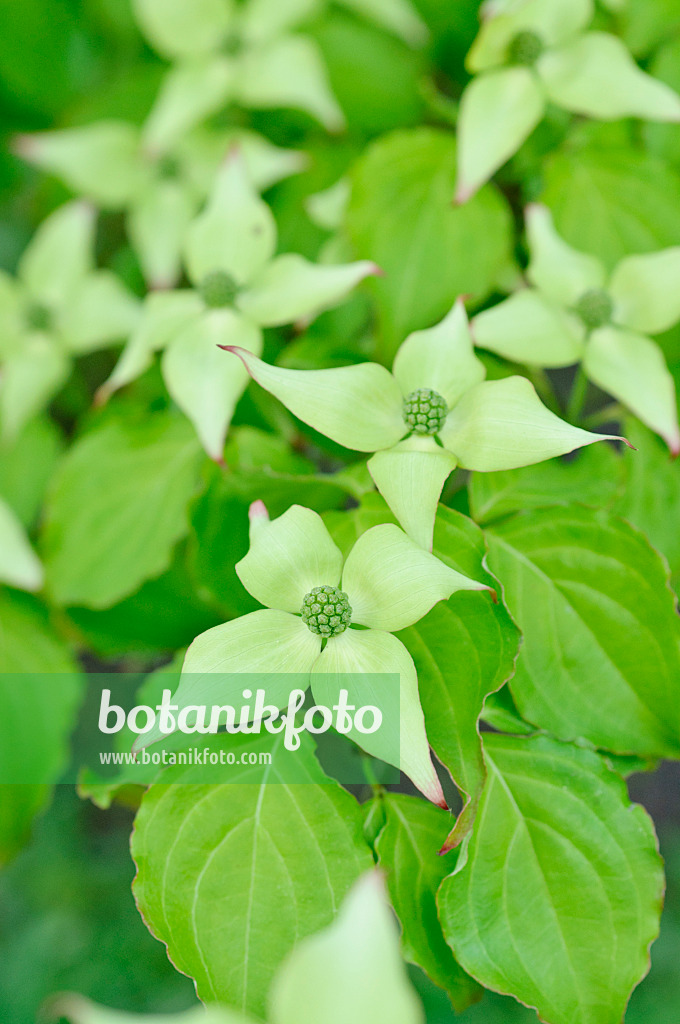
(577, 311)
(251, 54)
(239, 287)
(313, 604)
(532, 52)
(56, 308)
(159, 174)
(434, 412)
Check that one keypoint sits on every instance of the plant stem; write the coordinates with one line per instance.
(539, 379)
(577, 397)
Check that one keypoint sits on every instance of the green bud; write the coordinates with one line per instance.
(38, 317)
(326, 611)
(595, 308)
(218, 289)
(425, 411)
(525, 49)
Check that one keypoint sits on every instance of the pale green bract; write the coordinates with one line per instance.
(239, 287)
(491, 425)
(158, 177)
(58, 307)
(19, 565)
(349, 971)
(532, 52)
(576, 311)
(390, 583)
(252, 55)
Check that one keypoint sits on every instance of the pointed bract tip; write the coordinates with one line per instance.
(24, 146)
(494, 595)
(258, 511)
(162, 284)
(101, 396)
(234, 152)
(625, 441)
(463, 194)
(375, 271)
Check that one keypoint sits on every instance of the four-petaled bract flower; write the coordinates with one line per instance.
(159, 174)
(577, 311)
(529, 53)
(433, 413)
(239, 287)
(251, 53)
(312, 605)
(58, 307)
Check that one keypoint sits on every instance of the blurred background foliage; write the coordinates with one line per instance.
(68, 920)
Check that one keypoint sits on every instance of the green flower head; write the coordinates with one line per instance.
(328, 616)
(432, 413)
(575, 311)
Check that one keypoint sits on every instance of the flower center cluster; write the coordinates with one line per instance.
(218, 289)
(525, 49)
(326, 611)
(595, 308)
(425, 411)
(38, 317)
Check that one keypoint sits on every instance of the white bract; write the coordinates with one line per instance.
(532, 52)
(58, 306)
(239, 288)
(158, 174)
(434, 412)
(386, 584)
(576, 311)
(251, 54)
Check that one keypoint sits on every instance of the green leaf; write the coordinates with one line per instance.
(400, 215)
(652, 494)
(26, 467)
(351, 971)
(601, 655)
(463, 650)
(266, 865)
(31, 744)
(355, 54)
(560, 896)
(594, 477)
(613, 201)
(407, 850)
(117, 507)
